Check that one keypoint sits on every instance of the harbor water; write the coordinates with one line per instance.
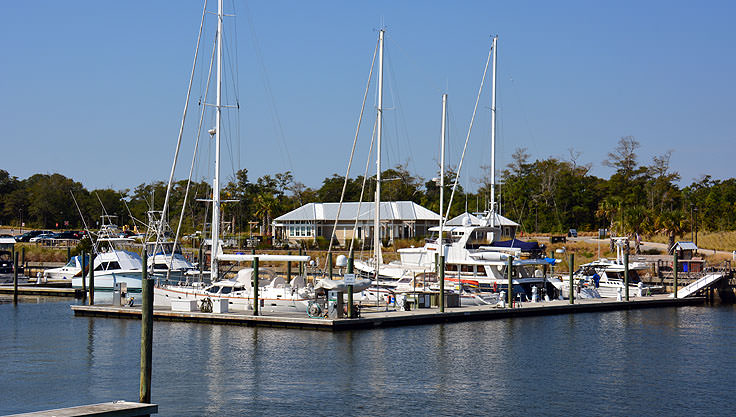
(668, 361)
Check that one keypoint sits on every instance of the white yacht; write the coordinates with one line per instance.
(112, 264)
(65, 273)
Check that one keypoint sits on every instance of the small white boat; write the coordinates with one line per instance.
(112, 267)
(65, 273)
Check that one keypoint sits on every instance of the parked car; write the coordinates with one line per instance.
(27, 236)
(45, 236)
(69, 234)
(572, 233)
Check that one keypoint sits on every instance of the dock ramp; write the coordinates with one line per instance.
(698, 285)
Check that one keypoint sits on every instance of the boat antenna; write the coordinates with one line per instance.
(86, 229)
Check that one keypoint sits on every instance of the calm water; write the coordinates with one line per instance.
(648, 362)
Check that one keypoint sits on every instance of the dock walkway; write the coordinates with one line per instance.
(376, 318)
(111, 409)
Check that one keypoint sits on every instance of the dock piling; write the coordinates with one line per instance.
(572, 281)
(15, 277)
(288, 269)
(626, 274)
(674, 270)
(84, 275)
(441, 269)
(350, 287)
(255, 286)
(92, 278)
(509, 267)
(68, 253)
(329, 263)
(146, 333)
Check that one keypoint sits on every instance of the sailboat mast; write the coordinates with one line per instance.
(493, 133)
(216, 182)
(379, 130)
(442, 172)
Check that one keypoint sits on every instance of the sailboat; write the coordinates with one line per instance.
(273, 292)
(471, 250)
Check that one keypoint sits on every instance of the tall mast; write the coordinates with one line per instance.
(379, 130)
(493, 133)
(442, 172)
(216, 183)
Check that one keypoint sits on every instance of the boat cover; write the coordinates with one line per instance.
(516, 243)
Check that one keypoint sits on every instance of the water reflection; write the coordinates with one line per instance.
(616, 361)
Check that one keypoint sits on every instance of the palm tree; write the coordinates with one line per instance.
(637, 220)
(264, 208)
(671, 223)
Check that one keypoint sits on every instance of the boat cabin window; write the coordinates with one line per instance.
(160, 265)
(226, 290)
(72, 263)
(106, 266)
(214, 289)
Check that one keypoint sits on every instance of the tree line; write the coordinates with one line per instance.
(544, 196)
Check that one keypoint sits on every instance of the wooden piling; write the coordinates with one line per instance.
(509, 268)
(572, 281)
(255, 286)
(84, 274)
(441, 269)
(68, 253)
(329, 264)
(15, 277)
(146, 333)
(92, 279)
(626, 274)
(350, 287)
(288, 269)
(674, 270)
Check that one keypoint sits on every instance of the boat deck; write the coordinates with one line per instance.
(379, 317)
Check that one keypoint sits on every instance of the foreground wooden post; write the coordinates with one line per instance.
(23, 256)
(255, 286)
(15, 277)
(572, 281)
(674, 269)
(626, 274)
(68, 253)
(146, 333)
(509, 273)
(350, 287)
(92, 279)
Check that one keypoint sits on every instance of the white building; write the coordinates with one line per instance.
(399, 220)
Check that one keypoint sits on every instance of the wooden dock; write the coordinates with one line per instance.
(376, 318)
(39, 290)
(112, 409)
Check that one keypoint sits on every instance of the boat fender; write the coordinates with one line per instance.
(495, 287)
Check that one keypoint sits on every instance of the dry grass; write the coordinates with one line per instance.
(725, 241)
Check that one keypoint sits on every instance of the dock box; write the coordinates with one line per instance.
(184, 305)
(219, 306)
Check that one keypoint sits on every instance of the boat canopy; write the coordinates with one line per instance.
(520, 244)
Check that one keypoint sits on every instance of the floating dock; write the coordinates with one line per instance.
(112, 409)
(26, 289)
(377, 318)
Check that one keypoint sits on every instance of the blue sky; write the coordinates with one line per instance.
(95, 90)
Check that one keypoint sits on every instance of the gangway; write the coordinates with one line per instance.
(699, 284)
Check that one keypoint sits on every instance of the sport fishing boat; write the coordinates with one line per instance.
(112, 265)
